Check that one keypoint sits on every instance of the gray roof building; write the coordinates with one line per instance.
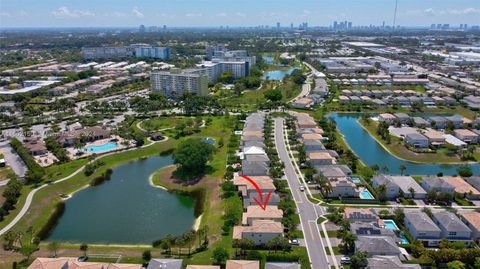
(452, 227)
(377, 245)
(165, 264)
(390, 262)
(474, 181)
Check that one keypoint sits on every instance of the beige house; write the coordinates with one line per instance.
(265, 183)
(321, 158)
(311, 136)
(203, 266)
(435, 137)
(254, 212)
(466, 136)
(72, 263)
(472, 220)
(462, 187)
(386, 117)
(261, 231)
(242, 264)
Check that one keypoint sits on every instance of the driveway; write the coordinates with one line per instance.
(13, 160)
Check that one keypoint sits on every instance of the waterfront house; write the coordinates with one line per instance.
(456, 120)
(260, 231)
(472, 220)
(320, 158)
(422, 228)
(255, 212)
(282, 265)
(392, 189)
(462, 187)
(265, 184)
(437, 184)
(386, 117)
(377, 245)
(451, 226)
(474, 181)
(352, 214)
(303, 103)
(191, 266)
(73, 263)
(390, 262)
(305, 122)
(435, 138)
(333, 171)
(242, 264)
(466, 136)
(165, 264)
(313, 145)
(407, 184)
(438, 122)
(254, 168)
(417, 140)
(313, 136)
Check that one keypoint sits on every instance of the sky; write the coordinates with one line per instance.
(201, 13)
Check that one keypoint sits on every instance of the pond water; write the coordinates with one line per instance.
(278, 74)
(371, 152)
(126, 209)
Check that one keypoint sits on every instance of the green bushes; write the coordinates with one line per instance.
(57, 150)
(35, 172)
(92, 167)
(11, 194)
(101, 178)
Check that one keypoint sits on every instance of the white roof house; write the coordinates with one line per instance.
(450, 139)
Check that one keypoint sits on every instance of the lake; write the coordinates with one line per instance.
(126, 209)
(371, 152)
(278, 74)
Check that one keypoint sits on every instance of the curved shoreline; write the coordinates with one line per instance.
(407, 160)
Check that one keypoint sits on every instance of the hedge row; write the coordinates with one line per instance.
(35, 172)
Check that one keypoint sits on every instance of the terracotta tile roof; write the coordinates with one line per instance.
(473, 218)
(311, 136)
(461, 186)
(242, 264)
(256, 212)
(258, 226)
(72, 263)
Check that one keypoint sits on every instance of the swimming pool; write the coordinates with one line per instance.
(365, 194)
(356, 180)
(104, 147)
(209, 140)
(391, 225)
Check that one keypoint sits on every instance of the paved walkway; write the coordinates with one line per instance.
(31, 194)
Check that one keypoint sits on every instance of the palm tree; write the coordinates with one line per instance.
(53, 247)
(412, 192)
(402, 168)
(385, 169)
(84, 248)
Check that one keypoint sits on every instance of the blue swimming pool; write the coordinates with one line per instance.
(209, 140)
(365, 194)
(390, 225)
(356, 180)
(104, 147)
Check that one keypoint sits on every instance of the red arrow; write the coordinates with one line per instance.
(262, 204)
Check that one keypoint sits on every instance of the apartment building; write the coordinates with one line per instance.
(162, 53)
(177, 83)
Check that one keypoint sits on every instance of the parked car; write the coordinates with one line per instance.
(294, 242)
(345, 260)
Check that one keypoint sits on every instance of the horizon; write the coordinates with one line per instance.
(248, 13)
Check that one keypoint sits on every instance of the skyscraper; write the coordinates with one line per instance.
(278, 25)
(141, 29)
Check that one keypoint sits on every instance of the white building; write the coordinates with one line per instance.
(176, 83)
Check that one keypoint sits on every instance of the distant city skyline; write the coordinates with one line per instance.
(204, 13)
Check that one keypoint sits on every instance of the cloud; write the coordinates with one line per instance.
(222, 14)
(192, 15)
(66, 12)
(455, 12)
(5, 14)
(137, 13)
(240, 14)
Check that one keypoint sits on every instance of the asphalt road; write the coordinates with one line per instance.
(309, 213)
(13, 160)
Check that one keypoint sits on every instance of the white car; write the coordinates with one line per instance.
(302, 188)
(294, 242)
(345, 260)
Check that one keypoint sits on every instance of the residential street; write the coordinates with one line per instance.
(308, 212)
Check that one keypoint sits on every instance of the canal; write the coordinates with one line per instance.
(371, 152)
(126, 209)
